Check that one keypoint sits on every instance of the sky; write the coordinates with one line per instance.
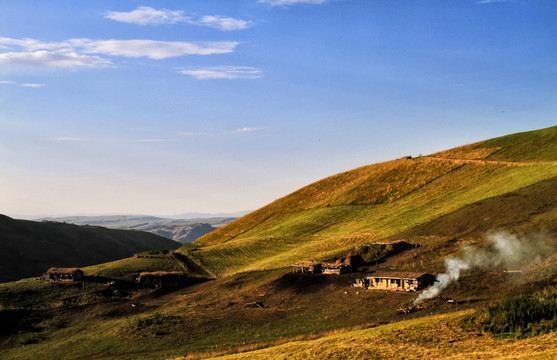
(170, 107)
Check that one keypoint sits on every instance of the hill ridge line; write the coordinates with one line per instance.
(492, 162)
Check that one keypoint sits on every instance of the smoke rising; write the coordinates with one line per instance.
(503, 250)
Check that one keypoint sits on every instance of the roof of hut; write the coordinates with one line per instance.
(54, 270)
(398, 274)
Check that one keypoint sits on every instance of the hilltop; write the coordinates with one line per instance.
(28, 248)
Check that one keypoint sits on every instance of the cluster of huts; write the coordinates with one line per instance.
(155, 279)
(379, 280)
(343, 265)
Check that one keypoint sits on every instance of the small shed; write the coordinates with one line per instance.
(397, 281)
(310, 267)
(63, 274)
(338, 269)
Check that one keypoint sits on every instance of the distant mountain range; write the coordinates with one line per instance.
(28, 248)
(183, 230)
(195, 215)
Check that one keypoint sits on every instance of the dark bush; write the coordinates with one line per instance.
(519, 316)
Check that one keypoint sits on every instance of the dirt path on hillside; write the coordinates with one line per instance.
(492, 162)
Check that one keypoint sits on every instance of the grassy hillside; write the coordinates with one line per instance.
(434, 337)
(377, 201)
(530, 146)
(258, 308)
(239, 313)
(28, 248)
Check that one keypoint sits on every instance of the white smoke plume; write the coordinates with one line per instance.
(503, 250)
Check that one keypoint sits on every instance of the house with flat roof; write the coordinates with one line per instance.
(63, 274)
(396, 281)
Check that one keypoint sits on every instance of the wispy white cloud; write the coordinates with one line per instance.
(246, 129)
(293, 2)
(32, 85)
(154, 49)
(55, 59)
(145, 15)
(223, 72)
(28, 85)
(223, 23)
(83, 52)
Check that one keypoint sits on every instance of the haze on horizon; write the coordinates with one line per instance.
(170, 107)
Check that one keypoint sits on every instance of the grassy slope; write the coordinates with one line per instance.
(539, 145)
(28, 248)
(219, 317)
(374, 202)
(433, 337)
(129, 269)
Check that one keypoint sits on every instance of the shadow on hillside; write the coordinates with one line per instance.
(311, 283)
(22, 321)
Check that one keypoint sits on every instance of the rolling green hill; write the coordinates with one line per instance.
(28, 248)
(255, 307)
(376, 202)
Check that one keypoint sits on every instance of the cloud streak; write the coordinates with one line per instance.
(154, 49)
(32, 85)
(52, 59)
(223, 72)
(85, 52)
(151, 140)
(26, 85)
(145, 15)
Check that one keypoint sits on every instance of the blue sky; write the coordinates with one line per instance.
(168, 107)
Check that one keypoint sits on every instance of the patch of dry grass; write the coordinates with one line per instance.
(433, 337)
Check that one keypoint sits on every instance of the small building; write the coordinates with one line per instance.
(337, 270)
(308, 267)
(396, 281)
(63, 274)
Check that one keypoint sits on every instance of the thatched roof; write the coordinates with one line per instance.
(397, 274)
(54, 270)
